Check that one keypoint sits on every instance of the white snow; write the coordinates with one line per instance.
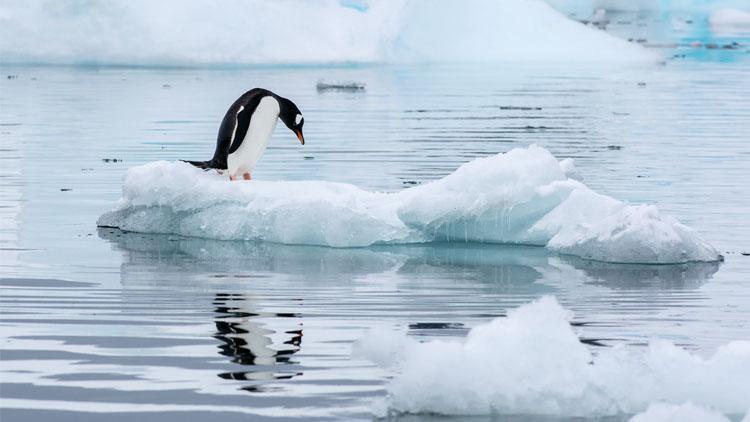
(524, 196)
(532, 363)
(180, 32)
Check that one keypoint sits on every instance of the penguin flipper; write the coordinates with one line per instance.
(205, 165)
(242, 123)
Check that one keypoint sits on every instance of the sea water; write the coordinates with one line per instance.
(102, 323)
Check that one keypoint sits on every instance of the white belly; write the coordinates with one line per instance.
(262, 124)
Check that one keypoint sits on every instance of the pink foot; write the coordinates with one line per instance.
(232, 178)
(246, 176)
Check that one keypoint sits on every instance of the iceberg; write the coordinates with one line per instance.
(533, 363)
(728, 18)
(246, 32)
(525, 196)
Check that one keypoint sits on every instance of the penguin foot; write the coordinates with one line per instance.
(246, 176)
(232, 178)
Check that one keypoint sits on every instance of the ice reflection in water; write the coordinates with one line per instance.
(410, 282)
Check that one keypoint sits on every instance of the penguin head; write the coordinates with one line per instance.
(292, 118)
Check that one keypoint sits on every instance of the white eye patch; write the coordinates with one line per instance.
(297, 119)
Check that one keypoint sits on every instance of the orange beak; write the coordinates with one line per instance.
(300, 137)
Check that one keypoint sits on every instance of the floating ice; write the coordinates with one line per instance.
(520, 197)
(179, 32)
(730, 19)
(532, 362)
(323, 85)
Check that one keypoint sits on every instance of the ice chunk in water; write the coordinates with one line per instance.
(524, 196)
(532, 362)
(350, 86)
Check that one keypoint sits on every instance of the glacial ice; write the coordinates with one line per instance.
(532, 362)
(231, 32)
(524, 196)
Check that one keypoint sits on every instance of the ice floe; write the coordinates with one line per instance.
(524, 196)
(532, 362)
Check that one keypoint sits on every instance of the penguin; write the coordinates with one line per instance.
(246, 128)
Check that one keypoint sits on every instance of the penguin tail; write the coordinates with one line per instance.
(205, 165)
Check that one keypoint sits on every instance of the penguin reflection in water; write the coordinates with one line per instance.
(246, 128)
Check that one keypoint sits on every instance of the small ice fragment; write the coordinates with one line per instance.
(599, 17)
(340, 86)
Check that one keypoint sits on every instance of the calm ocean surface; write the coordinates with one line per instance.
(101, 321)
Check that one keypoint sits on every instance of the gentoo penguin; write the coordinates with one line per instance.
(246, 128)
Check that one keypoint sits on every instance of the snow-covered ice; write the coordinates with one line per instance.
(230, 32)
(525, 196)
(532, 362)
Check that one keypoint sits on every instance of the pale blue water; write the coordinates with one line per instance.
(162, 325)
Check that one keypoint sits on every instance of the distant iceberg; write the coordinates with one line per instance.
(248, 32)
(532, 362)
(524, 196)
(726, 19)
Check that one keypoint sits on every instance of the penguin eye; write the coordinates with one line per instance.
(298, 120)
